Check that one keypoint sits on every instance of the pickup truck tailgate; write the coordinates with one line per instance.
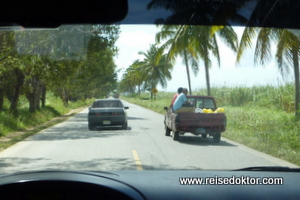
(208, 121)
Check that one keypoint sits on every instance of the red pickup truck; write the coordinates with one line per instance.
(194, 120)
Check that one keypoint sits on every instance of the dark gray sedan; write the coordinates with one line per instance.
(107, 112)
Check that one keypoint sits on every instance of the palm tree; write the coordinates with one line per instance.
(205, 39)
(179, 43)
(193, 13)
(155, 68)
(194, 42)
(126, 84)
(134, 75)
(288, 45)
(287, 53)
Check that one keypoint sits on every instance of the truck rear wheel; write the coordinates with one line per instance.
(168, 131)
(175, 135)
(217, 137)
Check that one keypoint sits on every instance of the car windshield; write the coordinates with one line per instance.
(244, 79)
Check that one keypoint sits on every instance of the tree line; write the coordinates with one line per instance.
(74, 62)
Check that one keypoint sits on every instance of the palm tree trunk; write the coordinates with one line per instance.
(152, 86)
(207, 77)
(187, 71)
(297, 82)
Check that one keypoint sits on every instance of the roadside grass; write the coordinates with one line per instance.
(259, 117)
(22, 119)
(272, 131)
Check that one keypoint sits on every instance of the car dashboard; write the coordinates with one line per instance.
(144, 185)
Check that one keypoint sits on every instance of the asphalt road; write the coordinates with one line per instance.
(143, 146)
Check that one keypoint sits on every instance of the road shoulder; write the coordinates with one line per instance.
(15, 137)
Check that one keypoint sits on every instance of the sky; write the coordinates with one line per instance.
(135, 38)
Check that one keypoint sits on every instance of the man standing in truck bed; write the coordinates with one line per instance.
(175, 96)
(180, 100)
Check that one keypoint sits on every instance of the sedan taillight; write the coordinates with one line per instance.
(117, 113)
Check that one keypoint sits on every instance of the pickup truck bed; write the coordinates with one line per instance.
(196, 123)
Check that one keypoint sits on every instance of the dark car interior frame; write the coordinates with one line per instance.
(254, 13)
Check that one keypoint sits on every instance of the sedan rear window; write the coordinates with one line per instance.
(109, 104)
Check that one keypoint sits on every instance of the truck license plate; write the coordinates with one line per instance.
(201, 130)
(106, 122)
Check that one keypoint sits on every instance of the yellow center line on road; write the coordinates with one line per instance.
(137, 160)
